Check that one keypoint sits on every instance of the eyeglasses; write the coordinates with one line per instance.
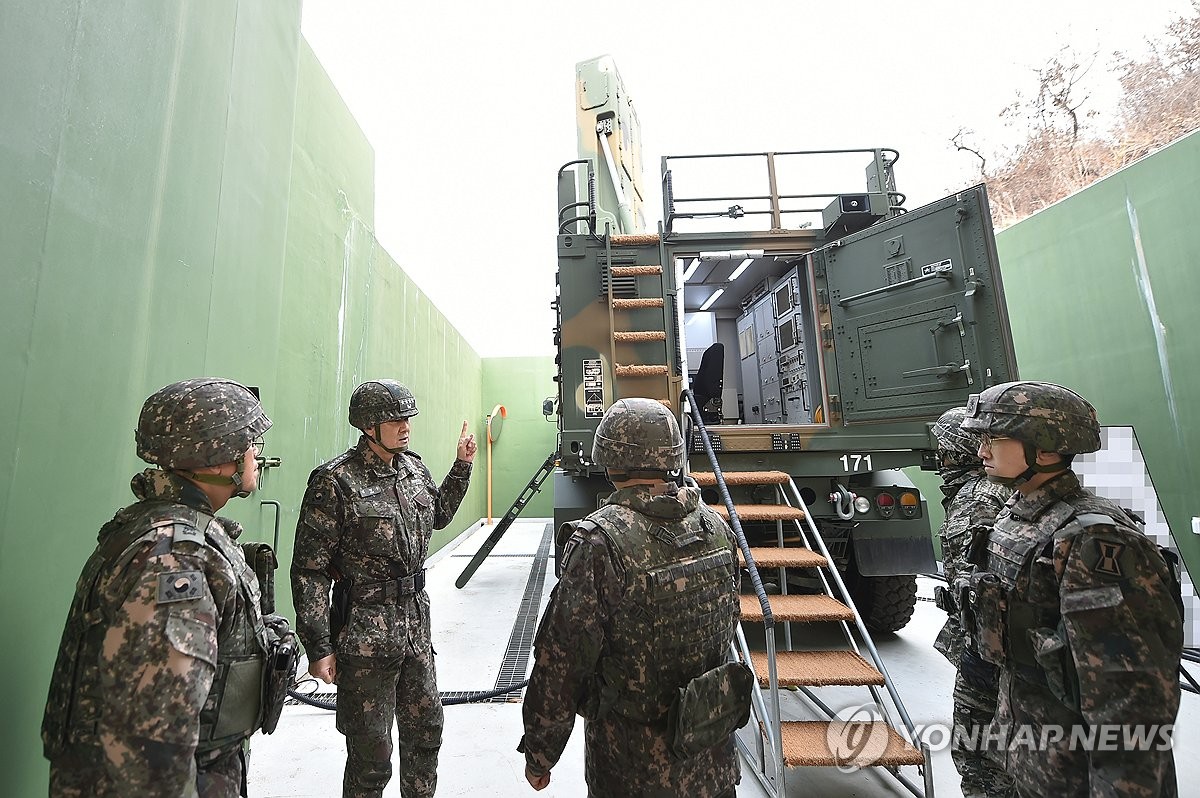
(986, 440)
(259, 444)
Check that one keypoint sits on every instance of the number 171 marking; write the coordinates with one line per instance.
(852, 462)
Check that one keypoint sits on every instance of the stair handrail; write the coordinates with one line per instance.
(910, 727)
(760, 592)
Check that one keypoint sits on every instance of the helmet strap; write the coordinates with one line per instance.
(234, 479)
(1032, 468)
(376, 440)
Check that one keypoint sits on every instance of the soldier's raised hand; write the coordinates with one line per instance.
(466, 445)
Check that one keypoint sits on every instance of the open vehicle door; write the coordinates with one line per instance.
(916, 316)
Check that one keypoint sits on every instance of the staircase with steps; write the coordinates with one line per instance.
(774, 745)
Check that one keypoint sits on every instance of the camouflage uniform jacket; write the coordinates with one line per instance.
(369, 521)
(1092, 625)
(129, 721)
(616, 643)
(971, 503)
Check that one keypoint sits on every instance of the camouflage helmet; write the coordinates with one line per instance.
(201, 422)
(1046, 416)
(638, 435)
(952, 438)
(378, 401)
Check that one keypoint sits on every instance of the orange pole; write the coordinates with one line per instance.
(503, 415)
(489, 467)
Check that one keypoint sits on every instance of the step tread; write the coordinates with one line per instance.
(786, 557)
(708, 479)
(634, 271)
(637, 302)
(623, 370)
(799, 608)
(806, 744)
(816, 668)
(762, 512)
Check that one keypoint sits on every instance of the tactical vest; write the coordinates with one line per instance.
(677, 616)
(1012, 556)
(232, 710)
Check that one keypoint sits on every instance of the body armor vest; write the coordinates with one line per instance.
(1014, 553)
(232, 710)
(678, 615)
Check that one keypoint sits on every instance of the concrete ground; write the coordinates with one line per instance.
(479, 645)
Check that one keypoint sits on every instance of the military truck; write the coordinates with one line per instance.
(820, 333)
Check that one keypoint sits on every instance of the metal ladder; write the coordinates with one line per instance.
(526, 495)
(772, 744)
(628, 263)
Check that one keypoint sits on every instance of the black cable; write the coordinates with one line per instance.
(1191, 686)
(471, 698)
(330, 703)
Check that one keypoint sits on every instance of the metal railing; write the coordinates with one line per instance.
(774, 203)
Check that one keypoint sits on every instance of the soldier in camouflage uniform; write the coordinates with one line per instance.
(647, 602)
(364, 528)
(159, 677)
(971, 503)
(1075, 604)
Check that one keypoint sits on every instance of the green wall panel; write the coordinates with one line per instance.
(185, 194)
(1102, 291)
(519, 384)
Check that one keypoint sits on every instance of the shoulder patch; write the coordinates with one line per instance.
(189, 533)
(180, 586)
(1105, 557)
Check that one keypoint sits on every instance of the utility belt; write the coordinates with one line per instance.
(390, 591)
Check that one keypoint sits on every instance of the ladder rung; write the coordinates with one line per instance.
(786, 557)
(640, 335)
(633, 271)
(800, 608)
(629, 304)
(816, 668)
(634, 239)
(806, 744)
(639, 371)
(708, 479)
(762, 512)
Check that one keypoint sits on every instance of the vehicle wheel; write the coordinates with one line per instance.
(886, 603)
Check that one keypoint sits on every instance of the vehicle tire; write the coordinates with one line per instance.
(886, 603)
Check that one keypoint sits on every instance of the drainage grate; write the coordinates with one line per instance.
(520, 642)
(291, 702)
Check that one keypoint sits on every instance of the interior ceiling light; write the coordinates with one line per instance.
(691, 269)
(738, 271)
(708, 302)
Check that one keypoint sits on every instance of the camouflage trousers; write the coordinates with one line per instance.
(371, 692)
(626, 759)
(1058, 770)
(225, 777)
(974, 709)
(975, 691)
